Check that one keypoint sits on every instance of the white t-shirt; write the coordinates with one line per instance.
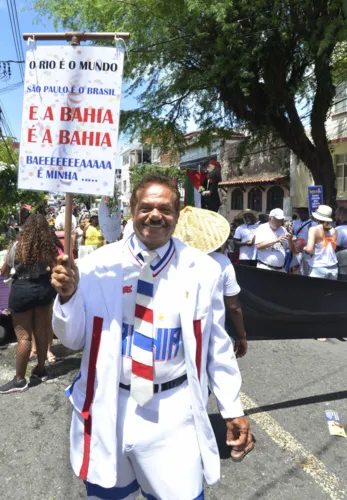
(275, 255)
(305, 225)
(169, 362)
(79, 237)
(230, 285)
(128, 230)
(246, 233)
(341, 240)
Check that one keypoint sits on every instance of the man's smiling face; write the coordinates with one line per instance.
(155, 215)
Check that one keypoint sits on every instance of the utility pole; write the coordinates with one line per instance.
(74, 38)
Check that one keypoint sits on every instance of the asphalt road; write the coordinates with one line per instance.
(287, 385)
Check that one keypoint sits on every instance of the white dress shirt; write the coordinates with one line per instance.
(169, 361)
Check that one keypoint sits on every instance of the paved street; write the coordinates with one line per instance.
(287, 385)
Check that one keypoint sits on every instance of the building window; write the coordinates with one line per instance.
(341, 173)
(275, 197)
(237, 199)
(340, 101)
(124, 186)
(126, 159)
(255, 199)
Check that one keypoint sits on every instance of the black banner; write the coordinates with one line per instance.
(281, 306)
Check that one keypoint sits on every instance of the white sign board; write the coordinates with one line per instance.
(70, 119)
(109, 221)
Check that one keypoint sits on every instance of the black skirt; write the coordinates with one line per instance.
(28, 293)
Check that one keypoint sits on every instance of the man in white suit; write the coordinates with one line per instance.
(131, 430)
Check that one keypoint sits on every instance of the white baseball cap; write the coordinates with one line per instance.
(277, 213)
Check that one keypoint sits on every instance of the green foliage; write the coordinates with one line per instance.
(4, 243)
(86, 199)
(137, 173)
(10, 195)
(225, 64)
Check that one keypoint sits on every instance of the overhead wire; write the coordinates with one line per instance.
(10, 88)
(12, 61)
(18, 34)
(13, 15)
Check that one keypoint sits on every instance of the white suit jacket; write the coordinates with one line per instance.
(92, 320)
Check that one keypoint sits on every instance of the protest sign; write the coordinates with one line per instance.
(315, 198)
(70, 119)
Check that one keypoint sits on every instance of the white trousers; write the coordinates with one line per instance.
(157, 452)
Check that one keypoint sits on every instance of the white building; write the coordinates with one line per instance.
(259, 182)
(134, 155)
(336, 126)
(196, 157)
(337, 133)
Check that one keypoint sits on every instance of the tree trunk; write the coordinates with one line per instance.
(315, 154)
(322, 169)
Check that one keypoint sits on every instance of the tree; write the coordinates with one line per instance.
(137, 173)
(10, 195)
(226, 64)
(86, 199)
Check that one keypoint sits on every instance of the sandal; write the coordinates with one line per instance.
(244, 452)
(51, 359)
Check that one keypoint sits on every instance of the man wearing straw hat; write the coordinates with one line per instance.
(149, 313)
(208, 231)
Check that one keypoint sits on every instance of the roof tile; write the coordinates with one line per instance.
(253, 180)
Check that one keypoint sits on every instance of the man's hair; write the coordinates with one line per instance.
(342, 211)
(155, 178)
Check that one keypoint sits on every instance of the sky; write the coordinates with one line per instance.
(12, 102)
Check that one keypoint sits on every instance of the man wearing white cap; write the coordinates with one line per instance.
(272, 240)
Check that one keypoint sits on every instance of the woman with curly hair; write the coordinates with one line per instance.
(31, 296)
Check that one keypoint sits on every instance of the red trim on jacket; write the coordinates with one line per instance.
(198, 339)
(86, 448)
(93, 358)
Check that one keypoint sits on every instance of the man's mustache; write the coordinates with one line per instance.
(155, 223)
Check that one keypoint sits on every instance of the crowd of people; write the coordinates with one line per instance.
(311, 246)
(32, 253)
(148, 360)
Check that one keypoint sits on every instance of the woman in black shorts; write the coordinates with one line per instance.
(31, 295)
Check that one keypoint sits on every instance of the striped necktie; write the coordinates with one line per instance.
(142, 388)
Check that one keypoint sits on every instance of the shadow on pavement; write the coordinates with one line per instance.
(66, 361)
(219, 430)
(320, 398)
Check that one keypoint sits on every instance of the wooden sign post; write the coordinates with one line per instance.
(74, 38)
